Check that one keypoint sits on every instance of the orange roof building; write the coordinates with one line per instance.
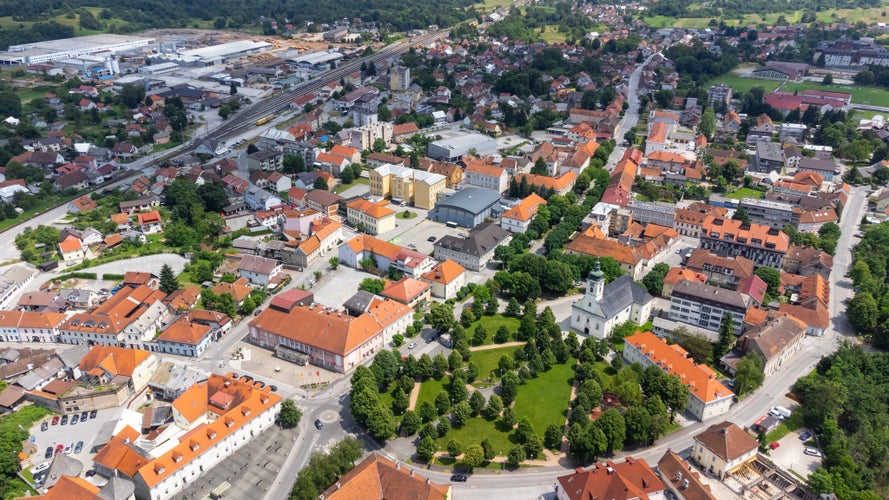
(185, 338)
(378, 477)
(332, 338)
(518, 218)
(446, 279)
(408, 291)
(130, 317)
(71, 488)
(677, 274)
(632, 479)
(374, 217)
(707, 396)
(560, 185)
(764, 245)
(24, 326)
(239, 290)
(82, 204)
(103, 363)
(214, 419)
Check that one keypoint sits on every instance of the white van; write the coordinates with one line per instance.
(780, 412)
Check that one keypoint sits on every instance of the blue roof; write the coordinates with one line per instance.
(474, 200)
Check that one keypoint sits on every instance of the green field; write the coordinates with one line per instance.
(553, 387)
(429, 390)
(487, 362)
(743, 85)
(851, 16)
(744, 193)
(492, 324)
(875, 96)
(552, 35)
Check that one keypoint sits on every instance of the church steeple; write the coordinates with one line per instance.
(596, 282)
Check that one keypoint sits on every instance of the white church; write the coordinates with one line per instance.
(604, 306)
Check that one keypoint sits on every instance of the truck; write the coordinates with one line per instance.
(780, 412)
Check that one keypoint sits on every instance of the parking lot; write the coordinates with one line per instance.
(69, 435)
(419, 234)
(263, 364)
(791, 454)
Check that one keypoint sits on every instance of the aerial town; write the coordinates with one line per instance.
(552, 250)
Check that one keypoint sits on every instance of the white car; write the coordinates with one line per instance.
(412, 345)
(40, 468)
(812, 452)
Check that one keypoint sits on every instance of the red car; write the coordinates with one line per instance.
(59, 448)
(774, 445)
(55, 421)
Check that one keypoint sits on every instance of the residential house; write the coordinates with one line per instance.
(677, 274)
(83, 204)
(828, 168)
(723, 448)
(518, 218)
(323, 201)
(688, 220)
(475, 250)
(239, 289)
(71, 250)
(184, 338)
(151, 222)
(131, 317)
(446, 279)
(605, 306)
(807, 261)
(774, 342)
(720, 270)
(769, 157)
(558, 185)
(385, 255)
(704, 306)
(258, 270)
(593, 242)
(370, 217)
(74, 180)
(707, 397)
(681, 480)
(409, 291)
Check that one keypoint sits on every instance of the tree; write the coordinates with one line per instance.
(772, 278)
(660, 418)
(707, 126)
(372, 285)
(638, 424)
(400, 401)
(132, 95)
(748, 373)
(512, 308)
(515, 457)
(232, 89)
(461, 413)
(290, 415)
(441, 317)
(168, 281)
(426, 449)
(293, 164)
(509, 418)
(863, 312)
(10, 104)
(524, 430)
(741, 215)
(442, 403)
(495, 406)
(334, 263)
(630, 136)
(476, 402)
(828, 79)
(612, 425)
(410, 422)
(501, 335)
(552, 437)
(320, 183)
(509, 387)
(674, 394)
(697, 345)
(654, 280)
(455, 448)
(473, 456)
(427, 412)
(533, 446)
(726, 336)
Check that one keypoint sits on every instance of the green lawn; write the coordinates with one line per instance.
(478, 429)
(874, 96)
(552, 35)
(744, 193)
(492, 324)
(544, 399)
(741, 84)
(342, 187)
(851, 16)
(429, 390)
(487, 362)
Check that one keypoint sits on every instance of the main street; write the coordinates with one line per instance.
(631, 115)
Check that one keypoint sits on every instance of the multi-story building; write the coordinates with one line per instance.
(475, 250)
(331, 338)
(30, 326)
(646, 212)
(770, 213)
(486, 176)
(363, 137)
(774, 342)
(723, 448)
(768, 157)
(764, 245)
(374, 218)
(519, 217)
(628, 480)
(721, 271)
(446, 279)
(562, 184)
(707, 396)
(130, 318)
(705, 305)
(407, 185)
(385, 255)
(688, 220)
(719, 95)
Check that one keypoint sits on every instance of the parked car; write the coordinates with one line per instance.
(774, 445)
(68, 448)
(48, 453)
(84, 415)
(59, 448)
(55, 420)
(78, 447)
(40, 467)
(319, 424)
(812, 452)
(804, 436)
(412, 345)
(64, 420)
(431, 239)
(44, 426)
(459, 478)
(93, 414)
(75, 419)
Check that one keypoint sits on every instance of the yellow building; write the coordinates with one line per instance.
(376, 218)
(407, 185)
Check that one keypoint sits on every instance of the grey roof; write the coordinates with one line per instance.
(480, 241)
(710, 294)
(9, 355)
(117, 488)
(769, 151)
(71, 357)
(617, 296)
(62, 465)
(41, 374)
(174, 378)
(473, 200)
(21, 273)
(360, 301)
(818, 164)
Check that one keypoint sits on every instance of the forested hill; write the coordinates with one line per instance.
(236, 14)
(731, 8)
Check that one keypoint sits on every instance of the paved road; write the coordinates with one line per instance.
(631, 115)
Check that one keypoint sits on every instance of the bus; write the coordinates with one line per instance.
(263, 121)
